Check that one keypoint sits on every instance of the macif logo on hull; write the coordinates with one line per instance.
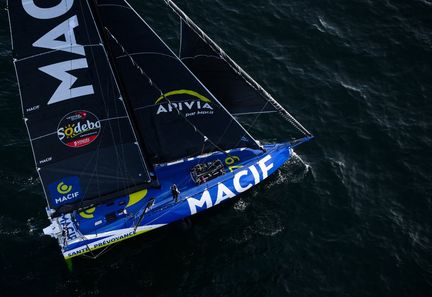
(189, 102)
(65, 190)
(68, 227)
(242, 181)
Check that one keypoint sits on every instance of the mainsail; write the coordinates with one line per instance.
(83, 141)
(177, 115)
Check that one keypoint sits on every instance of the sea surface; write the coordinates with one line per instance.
(350, 215)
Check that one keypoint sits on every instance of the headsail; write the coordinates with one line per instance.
(177, 115)
(84, 145)
(234, 92)
(213, 66)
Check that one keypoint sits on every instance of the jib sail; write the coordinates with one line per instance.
(234, 92)
(239, 92)
(177, 115)
(84, 146)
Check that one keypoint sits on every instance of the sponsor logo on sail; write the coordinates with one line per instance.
(189, 102)
(60, 38)
(65, 190)
(78, 129)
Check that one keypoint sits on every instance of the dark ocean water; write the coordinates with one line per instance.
(352, 219)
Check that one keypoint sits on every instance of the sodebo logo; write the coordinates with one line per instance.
(78, 128)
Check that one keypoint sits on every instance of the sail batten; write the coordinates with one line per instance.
(82, 139)
(53, 51)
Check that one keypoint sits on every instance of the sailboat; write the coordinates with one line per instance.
(127, 135)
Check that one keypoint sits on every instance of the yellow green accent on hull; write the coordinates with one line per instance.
(183, 92)
(136, 197)
(88, 213)
(133, 199)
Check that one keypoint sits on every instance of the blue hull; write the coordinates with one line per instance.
(127, 216)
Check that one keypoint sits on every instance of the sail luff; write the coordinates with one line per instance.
(282, 111)
(118, 80)
(21, 100)
(28, 132)
(125, 105)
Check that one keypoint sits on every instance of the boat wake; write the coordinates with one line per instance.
(16, 180)
(292, 172)
(241, 205)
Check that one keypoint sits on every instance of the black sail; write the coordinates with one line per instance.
(177, 115)
(212, 65)
(84, 145)
(233, 91)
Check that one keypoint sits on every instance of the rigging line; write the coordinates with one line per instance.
(113, 5)
(146, 53)
(42, 136)
(181, 40)
(255, 120)
(153, 84)
(191, 73)
(254, 112)
(92, 174)
(104, 102)
(96, 20)
(57, 49)
(282, 111)
(94, 256)
(204, 142)
(202, 56)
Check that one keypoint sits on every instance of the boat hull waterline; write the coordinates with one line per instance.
(129, 216)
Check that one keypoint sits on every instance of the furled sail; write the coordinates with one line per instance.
(177, 115)
(242, 95)
(84, 145)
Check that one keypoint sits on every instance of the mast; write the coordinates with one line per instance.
(175, 110)
(281, 110)
(105, 39)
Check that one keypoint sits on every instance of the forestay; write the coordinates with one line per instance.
(177, 115)
(83, 142)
